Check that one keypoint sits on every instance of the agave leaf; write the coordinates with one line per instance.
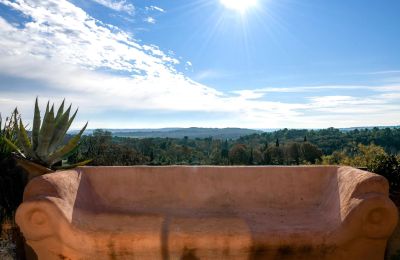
(47, 108)
(24, 142)
(68, 125)
(45, 135)
(59, 131)
(24, 134)
(71, 119)
(36, 126)
(13, 146)
(60, 110)
(74, 165)
(65, 156)
(62, 151)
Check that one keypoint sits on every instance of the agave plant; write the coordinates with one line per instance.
(46, 145)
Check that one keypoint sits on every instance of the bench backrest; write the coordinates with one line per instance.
(209, 188)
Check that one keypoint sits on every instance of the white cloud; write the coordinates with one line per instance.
(100, 68)
(155, 8)
(211, 74)
(120, 6)
(60, 31)
(150, 20)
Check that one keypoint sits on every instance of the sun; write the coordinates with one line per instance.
(239, 5)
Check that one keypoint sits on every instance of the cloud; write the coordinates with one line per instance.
(120, 6)
(382, 72)
(101, 68)
(210, 74)
(155, 8)
(63, 32)
(150, 20)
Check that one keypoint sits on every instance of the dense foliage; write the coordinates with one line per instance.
(283, 147)
(12, 178)
(7, 130)
(108, 150)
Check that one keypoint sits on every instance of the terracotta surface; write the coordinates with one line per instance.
(183, 212)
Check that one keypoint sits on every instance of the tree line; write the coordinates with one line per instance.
(282, 147)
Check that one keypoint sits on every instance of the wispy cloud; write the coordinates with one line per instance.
(211, 74)
(101, 68)
(155, 8)
(120, 6)
(382, 72)
(150, 20)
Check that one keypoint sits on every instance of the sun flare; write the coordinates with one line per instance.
(239, 5)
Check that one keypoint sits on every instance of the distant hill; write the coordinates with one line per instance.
(199, 132)
(192, 132)
(367, 127)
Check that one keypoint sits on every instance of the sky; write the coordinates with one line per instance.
(204, 63)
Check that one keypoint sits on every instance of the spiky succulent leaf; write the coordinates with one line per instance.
(65, 156)
(60, 111)
(24, 135)
(71, 119)
(62, 151)
(23, 141)
(36, 126)
(67, 127)
(45, 135)
(13, 146)
(61, 127)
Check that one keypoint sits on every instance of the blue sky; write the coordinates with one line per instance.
(179, 63)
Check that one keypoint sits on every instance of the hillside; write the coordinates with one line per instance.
(192, 132)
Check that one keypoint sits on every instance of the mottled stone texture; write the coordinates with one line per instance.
(211, 212)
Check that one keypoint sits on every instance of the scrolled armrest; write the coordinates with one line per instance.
(379, 216)
(34, 219)
(365, 203)
(47, 199)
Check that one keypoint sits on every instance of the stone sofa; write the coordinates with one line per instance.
(188, 212)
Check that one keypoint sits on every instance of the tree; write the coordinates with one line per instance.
(225, 149)
(275, 155)
(251, 157)
(310, 153)
(364, 155)
(293, 153)
(337, 157)
(257, 157)
(238, 154)
(389, 167)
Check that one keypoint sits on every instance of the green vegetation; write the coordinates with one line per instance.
(12, 177)
(283, 147)
(34, 153)
(46, 144)
(8, 132)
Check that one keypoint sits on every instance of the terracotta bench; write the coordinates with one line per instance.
(211, 212)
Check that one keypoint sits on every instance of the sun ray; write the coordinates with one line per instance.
(239, 5)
